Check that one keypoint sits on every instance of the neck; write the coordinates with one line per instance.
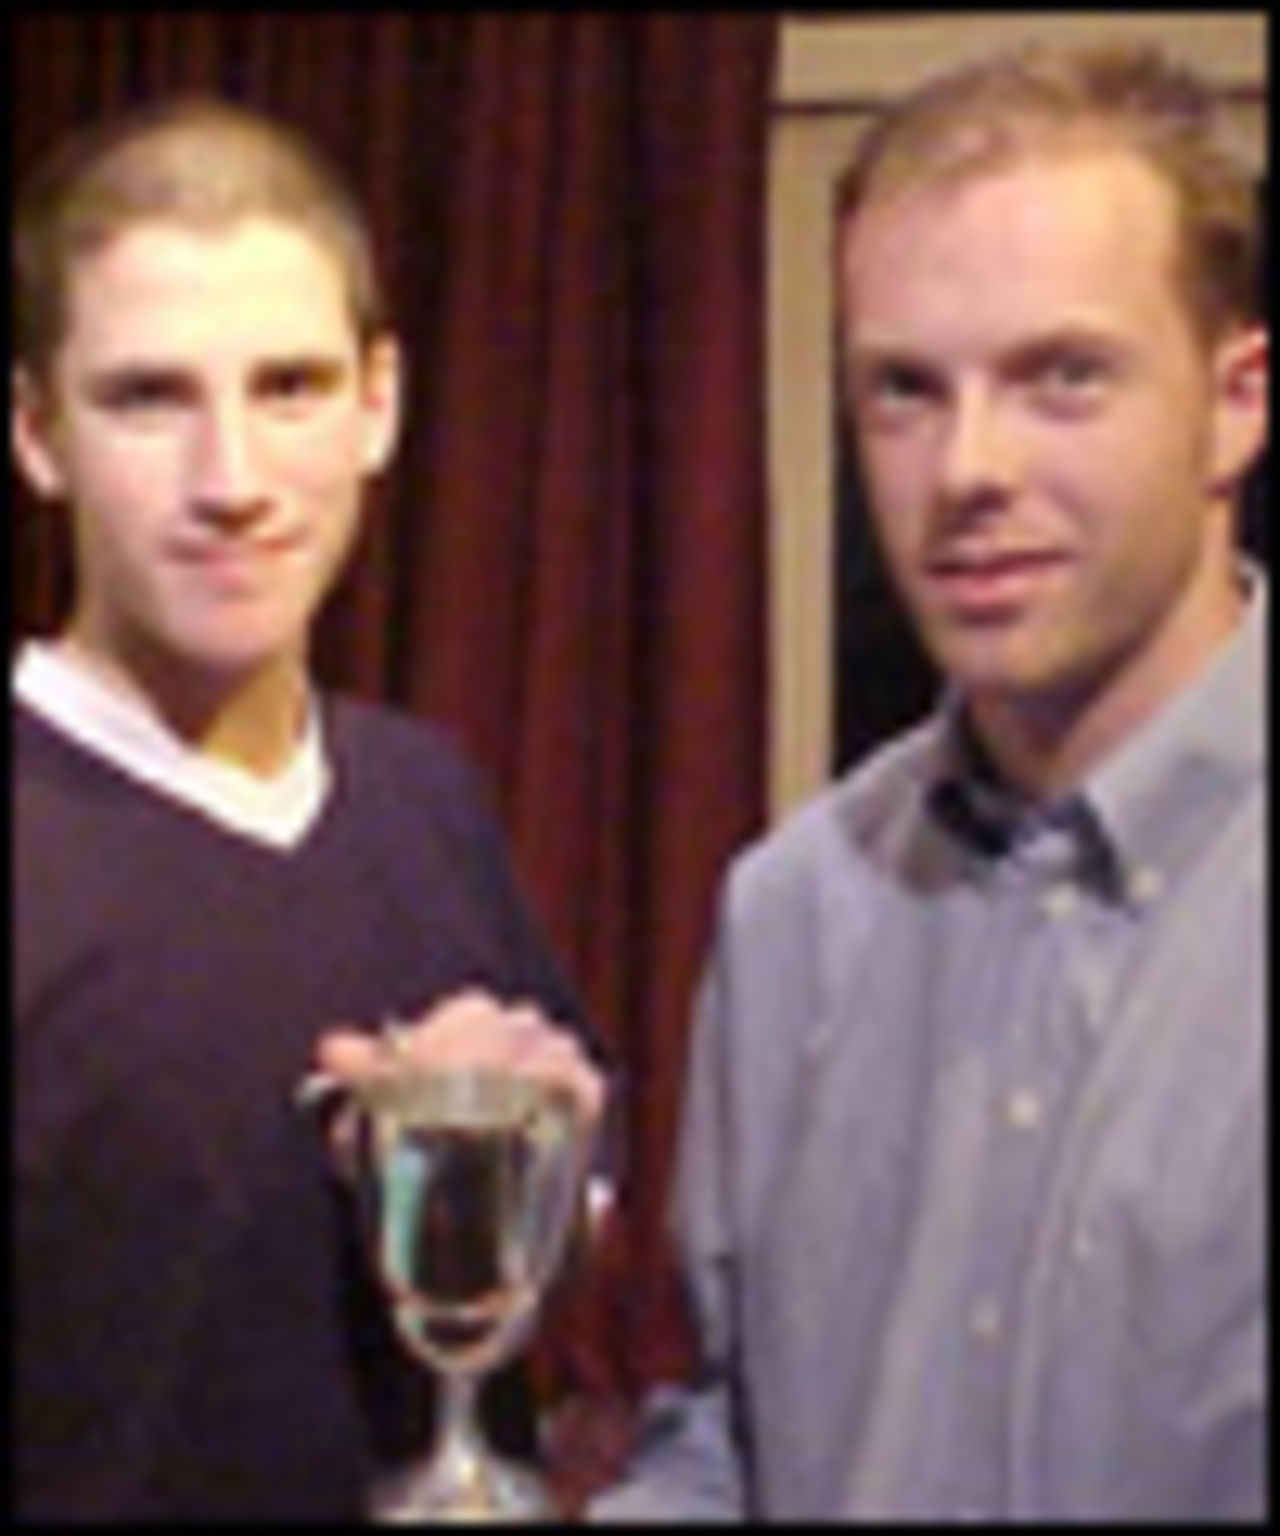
(251, 720)
(1046, 744)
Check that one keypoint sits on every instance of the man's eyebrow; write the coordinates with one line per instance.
(889, 352)
(130, 375)
(301, 357)
(160, 372)
(1067, 337)
(316, 365)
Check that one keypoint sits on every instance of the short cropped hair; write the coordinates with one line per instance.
(198, 162)
(1041, 101)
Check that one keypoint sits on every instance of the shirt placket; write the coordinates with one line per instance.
(1042, 946)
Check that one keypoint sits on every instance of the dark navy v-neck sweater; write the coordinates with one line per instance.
(195, 1333)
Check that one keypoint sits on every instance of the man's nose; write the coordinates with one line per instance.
(226, 479)
(981, 456)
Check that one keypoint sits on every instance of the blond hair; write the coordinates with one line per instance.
(199, 162)
(1040, 101)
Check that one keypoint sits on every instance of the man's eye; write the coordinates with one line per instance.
(141, 397)
(893, 391)
(899, 384)
(297, 387)
(1073, 372)
(1070, 381)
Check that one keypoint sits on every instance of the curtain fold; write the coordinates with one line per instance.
(566, 564)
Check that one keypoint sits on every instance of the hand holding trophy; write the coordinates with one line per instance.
(470, 1152)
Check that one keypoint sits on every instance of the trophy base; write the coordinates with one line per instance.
(489, 1490)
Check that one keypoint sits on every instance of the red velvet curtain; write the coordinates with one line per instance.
(567, 563)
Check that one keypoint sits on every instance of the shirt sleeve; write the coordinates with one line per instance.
(688, 1465)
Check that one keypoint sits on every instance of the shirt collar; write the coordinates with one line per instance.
(278, 809)
(1146, 808)
(1169, 787)
(995, 822)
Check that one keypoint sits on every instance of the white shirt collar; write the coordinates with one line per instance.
(278, 809)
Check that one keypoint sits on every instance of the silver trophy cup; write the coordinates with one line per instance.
(471, 1180)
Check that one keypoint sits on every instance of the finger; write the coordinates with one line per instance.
(349, 1054)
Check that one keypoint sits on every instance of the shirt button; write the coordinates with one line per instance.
(1024, 1109)
(1145, 885)
(1083, 1245)
(985, 1322)
(1059, 902)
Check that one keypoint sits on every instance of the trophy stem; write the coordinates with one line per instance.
(461, 1456)
(464, 1481)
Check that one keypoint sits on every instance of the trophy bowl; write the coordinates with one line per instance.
(471, 1180)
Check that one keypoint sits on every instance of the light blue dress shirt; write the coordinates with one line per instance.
(971, 1193)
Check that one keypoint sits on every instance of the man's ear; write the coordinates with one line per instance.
(383, 392)
(1242, 408)
(31, 424)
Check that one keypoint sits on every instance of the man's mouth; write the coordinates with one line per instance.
(982, 583)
